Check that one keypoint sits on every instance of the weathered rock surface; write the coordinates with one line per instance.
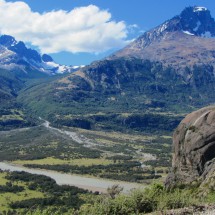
(194, 149)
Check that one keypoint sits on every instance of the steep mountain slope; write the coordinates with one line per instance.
(11, 112)
(134, 94)
(21, 67)
(10, 85)
(168, 70)
(182, 41)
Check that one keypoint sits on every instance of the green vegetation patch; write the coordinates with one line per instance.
(112, 155)
(54, 161)
(23, 192)
(12, 191)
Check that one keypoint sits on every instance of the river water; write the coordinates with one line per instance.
(92, 184)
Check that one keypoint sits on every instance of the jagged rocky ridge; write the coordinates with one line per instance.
(194, 150)
(15, 55)
(180, 42)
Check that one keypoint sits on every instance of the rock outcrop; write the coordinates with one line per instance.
(194, 150)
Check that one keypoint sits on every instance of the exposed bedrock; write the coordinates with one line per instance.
(194, 149)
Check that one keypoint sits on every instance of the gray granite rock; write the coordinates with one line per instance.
(194, 149)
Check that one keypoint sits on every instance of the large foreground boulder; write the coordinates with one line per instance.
(194, 150)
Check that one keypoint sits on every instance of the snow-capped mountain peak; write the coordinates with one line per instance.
(185, 40)
(193, 21)
(15, 55)
(197, 9)
(197, 21)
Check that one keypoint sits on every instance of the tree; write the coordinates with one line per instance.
(114, 190)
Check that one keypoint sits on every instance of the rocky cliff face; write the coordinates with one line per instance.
(194, 149)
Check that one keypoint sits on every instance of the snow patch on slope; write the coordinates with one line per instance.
(187, 32)
(197, 9)
(59, 69)
(163, 27)
(78, 67)
(55, 66)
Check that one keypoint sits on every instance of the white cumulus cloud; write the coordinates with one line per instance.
(83, 29)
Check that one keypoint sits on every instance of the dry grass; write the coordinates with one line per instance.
(55, 161)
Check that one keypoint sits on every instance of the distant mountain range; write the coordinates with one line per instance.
(146, 86)
(17, 57)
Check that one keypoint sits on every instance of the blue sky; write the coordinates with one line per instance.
(76, 32)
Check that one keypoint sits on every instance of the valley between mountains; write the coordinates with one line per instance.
(110, 120)
(108, 154)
